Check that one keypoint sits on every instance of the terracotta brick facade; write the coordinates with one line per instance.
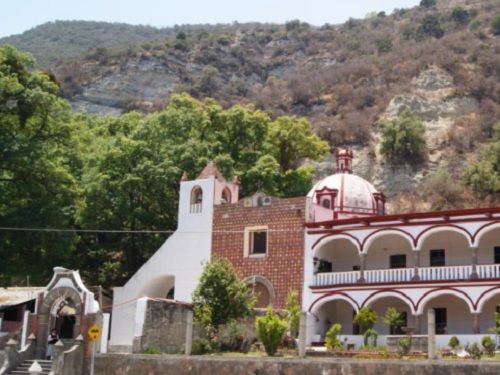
(283, 263)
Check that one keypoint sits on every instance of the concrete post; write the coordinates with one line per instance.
(302, 334)
(11, 355)
(416, 259)
(416, 323)
(105, 333)
(189, 332)
(474, 274)
(362, 258)
(431, 334)
(475, 323)
(58, 358)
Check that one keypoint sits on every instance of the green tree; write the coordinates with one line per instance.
(293, 308)
(403, 138)
(365, 318)
(220, 296)
(393, 319)
(291, 139)
(37, 187)
(483, 176)
(270, 329)
(495, 24)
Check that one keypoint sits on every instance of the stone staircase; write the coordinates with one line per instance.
(23, 368)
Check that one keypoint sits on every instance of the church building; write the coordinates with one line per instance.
(337, 247)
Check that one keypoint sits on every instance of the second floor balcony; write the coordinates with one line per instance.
(444, 253)
(399, 275)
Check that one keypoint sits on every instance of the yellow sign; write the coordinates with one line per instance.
(94, 332)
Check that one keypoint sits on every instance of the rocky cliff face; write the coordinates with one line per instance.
(432, 97)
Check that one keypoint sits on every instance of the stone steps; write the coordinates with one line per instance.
(23, 368)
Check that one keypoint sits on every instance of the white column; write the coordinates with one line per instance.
(416, 265)
(140, 315)
(24, 333)
(362, 258)
(104, 333)
(474, 274)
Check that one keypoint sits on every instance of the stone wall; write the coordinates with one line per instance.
(164, 328)
(116, 364)
(285, 219)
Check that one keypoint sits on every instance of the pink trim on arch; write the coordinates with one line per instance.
(388, 229)
(334, 234)
(476, 305)
(409, 301)
(332, 294)
(444, 288)
(466, 232)
(481, 228)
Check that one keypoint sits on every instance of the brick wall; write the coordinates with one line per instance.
(283, 264)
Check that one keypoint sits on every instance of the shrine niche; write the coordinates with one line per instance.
(65, 306)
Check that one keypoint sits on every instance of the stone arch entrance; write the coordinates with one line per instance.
(61, 310)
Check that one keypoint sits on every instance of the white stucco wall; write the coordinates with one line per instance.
(180, 258)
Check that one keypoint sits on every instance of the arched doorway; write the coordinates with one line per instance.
(63, 318)
(381, 305)
(452, 313)
(334, 310)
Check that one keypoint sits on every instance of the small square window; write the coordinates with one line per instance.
(256, 241)
(497, 254)
(437, 258)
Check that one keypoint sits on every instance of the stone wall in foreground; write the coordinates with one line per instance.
(122, 364)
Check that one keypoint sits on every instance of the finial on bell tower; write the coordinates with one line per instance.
(344, 161)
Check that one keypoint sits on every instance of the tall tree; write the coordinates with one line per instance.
(37, 188)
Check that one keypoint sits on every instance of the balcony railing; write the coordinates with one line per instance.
(397, 275)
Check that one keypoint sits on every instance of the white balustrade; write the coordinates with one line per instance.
(488, 271)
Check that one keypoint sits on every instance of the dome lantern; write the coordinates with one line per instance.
(343, 194)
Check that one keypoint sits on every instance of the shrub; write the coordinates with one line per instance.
(460, 16)
(404, 346)
(404, 138)
(488, 345)
(427, 3)
(201, 346)
(394, 320)
(331, 340)
(454, 342)
(270, 330)
(383, 45)
(495, 24)
(370, 337)
(220, 296)
(152, 350)
(293, 308)
(233, 338)
(365, 318)
(474, 351)
(430, 26)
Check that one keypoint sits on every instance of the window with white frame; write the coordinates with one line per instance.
(256, 241)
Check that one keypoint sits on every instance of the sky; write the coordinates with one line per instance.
(17, 16)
